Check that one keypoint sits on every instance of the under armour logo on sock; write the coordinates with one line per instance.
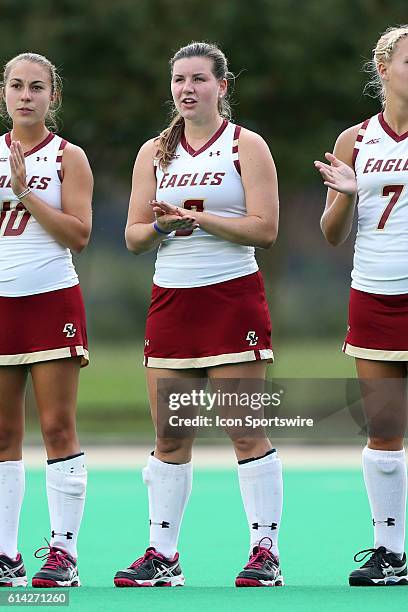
(272, 526)
(390, 522)
(67, 535)
(163, 524)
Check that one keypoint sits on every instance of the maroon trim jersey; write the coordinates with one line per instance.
(381, 166)
(32, 261)
(204, 180)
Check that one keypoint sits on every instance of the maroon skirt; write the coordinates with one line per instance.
(42, 327)
(200, 327)
(378, 326)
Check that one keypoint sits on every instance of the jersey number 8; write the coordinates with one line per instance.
(193, 205)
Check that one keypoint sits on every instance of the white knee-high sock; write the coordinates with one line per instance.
(12, 485)
(66, 489)
(169, 488)
(261, 485)
(385, 475)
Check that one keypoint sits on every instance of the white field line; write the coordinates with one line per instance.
(214, 457)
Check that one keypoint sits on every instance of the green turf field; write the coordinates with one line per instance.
(325, 522)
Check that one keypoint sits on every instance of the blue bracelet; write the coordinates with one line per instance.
(157, 228)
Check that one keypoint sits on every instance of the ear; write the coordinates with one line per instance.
(54, 99)
(223, 85)
(382, 68)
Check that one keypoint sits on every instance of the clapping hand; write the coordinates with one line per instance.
(17, 167)
(338, 176)
(170, 218)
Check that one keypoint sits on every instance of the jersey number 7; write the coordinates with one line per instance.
(395, 192)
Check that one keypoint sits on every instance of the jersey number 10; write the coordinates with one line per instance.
(9, 218)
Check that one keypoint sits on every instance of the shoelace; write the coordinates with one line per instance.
(149, 554)
(55, 558)
(376, 559)
(258, 558)
(262, 554)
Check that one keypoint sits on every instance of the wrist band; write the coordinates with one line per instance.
(23, 194)
(160, 231)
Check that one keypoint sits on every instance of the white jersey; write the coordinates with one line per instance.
(208, 179)
(32, 261)
(381, 249)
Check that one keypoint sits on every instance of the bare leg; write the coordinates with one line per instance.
(170, 449)
(12, 394)
(56, 386)
(245, 446)
(385, 392)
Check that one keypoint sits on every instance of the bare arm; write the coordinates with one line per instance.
(70, 226)
(140, 234)
(259, 227)
(340, 178)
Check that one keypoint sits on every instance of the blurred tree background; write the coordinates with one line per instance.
(300, 83)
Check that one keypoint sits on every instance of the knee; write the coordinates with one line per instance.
(10, 438)
(58, 434)
(169, 446)
(246, 446)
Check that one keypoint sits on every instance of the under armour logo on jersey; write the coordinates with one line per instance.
(69, 330)
(41, 158)
(272, 526)
(373, 141)
(147, 342)
(3, 159)
(390, 522)
(67, 535)
(252, 338)
(215, 153)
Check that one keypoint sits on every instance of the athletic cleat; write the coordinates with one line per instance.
(151, 570)
(382, 569)
(59, 570)
(12, 573)
(262, 569)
